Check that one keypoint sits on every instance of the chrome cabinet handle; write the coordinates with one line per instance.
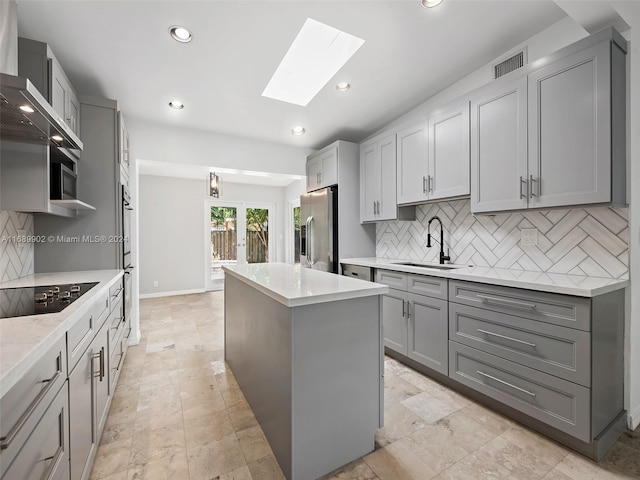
(403, 311)
(100, 355)
(429, 183)
(522, 181)
(532, 180)
(374, 207)
(507, 303)
(532, 345)
(424, 185)
(54, 462)
(310, 240)
(506, 383)
(6, 440)
(117, 293)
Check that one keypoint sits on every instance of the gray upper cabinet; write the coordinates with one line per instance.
(499, 146)
(322, 169)
(123, 152)
(554, 135)
(378, 179)
(449, 152)
(412, 164)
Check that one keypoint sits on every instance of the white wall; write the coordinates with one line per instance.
(172, 229)
(162, 143)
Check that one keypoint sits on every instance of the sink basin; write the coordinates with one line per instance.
(436, 266)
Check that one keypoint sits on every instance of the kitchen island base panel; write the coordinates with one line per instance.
(312, 375)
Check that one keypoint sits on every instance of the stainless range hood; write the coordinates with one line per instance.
(42, 126)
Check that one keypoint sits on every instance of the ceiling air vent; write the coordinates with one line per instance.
(509, 65)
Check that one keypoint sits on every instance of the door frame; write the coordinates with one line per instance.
(289, 240)
(240, 211)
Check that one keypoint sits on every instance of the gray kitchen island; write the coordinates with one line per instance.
(306, 349)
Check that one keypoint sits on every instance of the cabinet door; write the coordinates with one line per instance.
(428, 332)
(388, 207)
(499, 147)
(394, 322)
(412, 164)
(329, 165)
(123, 140)
(570, 130)
(314, 167)
(73, 117)
(88, 394)
(370, 181)
(449, 168)
(59, 90)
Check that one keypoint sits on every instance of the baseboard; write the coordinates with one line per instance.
(171, 294)
(634, 418)
(134, 340)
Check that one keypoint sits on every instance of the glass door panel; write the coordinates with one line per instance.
(224, 240)
(257, 235)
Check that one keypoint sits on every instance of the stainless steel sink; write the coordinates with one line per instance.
(436, 266)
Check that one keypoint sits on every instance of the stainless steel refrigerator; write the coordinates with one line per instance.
(319, 230)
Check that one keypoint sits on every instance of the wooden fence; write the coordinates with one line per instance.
(224, 246)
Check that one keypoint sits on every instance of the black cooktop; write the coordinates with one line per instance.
(23, 301)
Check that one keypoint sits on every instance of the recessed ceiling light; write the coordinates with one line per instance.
(57, 138)
(26, 108)
(343, 86)
(298, 130)
(176, 104)
(180, 34)
(316, 55)
(431, 3)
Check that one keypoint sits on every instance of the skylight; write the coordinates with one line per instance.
(316, 55)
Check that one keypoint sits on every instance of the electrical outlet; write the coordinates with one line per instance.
(155, 283)
(528, 237)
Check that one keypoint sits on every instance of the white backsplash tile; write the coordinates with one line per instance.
(584, 241)
(16, 260)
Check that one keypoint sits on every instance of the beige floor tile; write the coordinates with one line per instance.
(198, 386)
(165, 442)
(241, 473)
(548, 452)
(357, 470)
(232, 395)
(170, 467)
(155, 397)
(207, 428)
(253, 443)
(266, 468)
(396, 389)
(159, 380)
(555, 474)
(490, 420)
(111, 458)
(397, 462)
(118, 427)
(399, 422)
(158, 416)
(204, 404)
(123, 403)
(215, 458)
(422, 382)
(624, 458)
(431, 408)
(241, 416)
(393, 366)
(117, 476)
(499, 459)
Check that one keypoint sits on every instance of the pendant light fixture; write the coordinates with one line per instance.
(214, 185)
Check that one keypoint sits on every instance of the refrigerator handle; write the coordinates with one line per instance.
(310, 241)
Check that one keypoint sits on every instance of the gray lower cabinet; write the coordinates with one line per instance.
(89, 392)
(555, 358)
(415, 324)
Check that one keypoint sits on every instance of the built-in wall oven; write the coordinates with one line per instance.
(127, 211)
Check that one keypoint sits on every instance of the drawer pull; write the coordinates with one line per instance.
(532, 345)
(5, 441)
(506, 383)
(54, 462)
(507, 303)
(100, 355)
(117, 293)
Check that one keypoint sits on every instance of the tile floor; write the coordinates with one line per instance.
(178, 414)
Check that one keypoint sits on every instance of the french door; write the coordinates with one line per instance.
(235, 233)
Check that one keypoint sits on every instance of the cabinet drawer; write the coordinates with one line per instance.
(356, 271)
(115, 292)
(101, 309)
(431, 286)
(559, 403)
(393, 279)
(560, 351)
(45, 454)
(563, 310)
(22, 407)
(116, 321)
(116, 358)
(79, 336)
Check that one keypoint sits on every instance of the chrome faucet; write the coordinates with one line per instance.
(443, 257)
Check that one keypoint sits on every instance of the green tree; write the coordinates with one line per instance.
(220, 215)
(258, 221)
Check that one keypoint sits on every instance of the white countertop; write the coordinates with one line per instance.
(23, 340)
(294, 286)
(581, 286)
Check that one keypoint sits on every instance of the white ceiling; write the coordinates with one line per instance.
(122, 50)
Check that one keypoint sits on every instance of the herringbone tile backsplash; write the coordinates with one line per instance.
(581, 241)
(16, 260)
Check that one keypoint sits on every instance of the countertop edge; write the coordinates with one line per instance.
(611, 285)
(59, 326)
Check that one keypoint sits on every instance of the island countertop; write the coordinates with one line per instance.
(295, 286)
(578, 285)
(23, 340)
